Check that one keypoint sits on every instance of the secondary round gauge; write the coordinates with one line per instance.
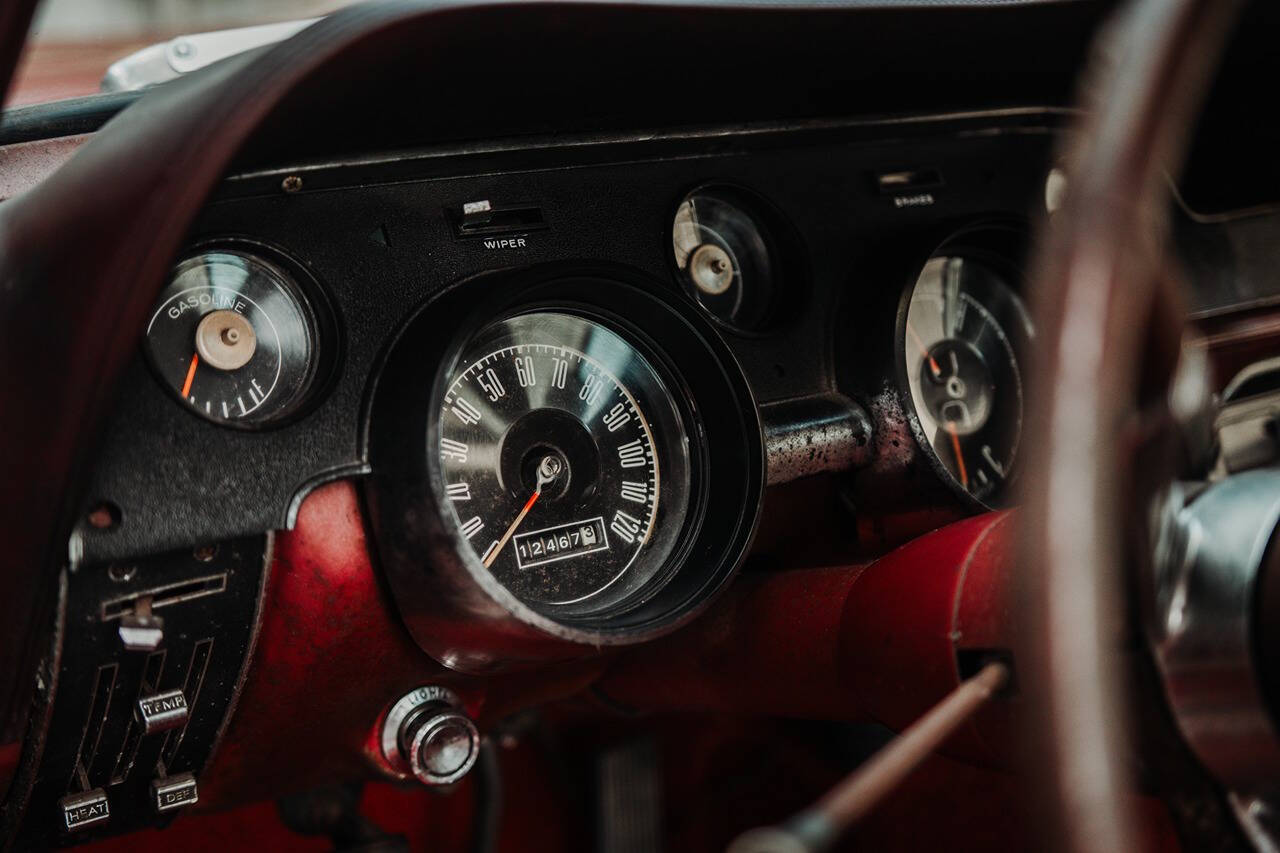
(966, 331)
(563, 460)
(723, 258)
(234, 338)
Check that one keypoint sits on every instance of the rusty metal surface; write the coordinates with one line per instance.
(814, 435)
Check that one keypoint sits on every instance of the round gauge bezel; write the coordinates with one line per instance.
(315, 309)
(781, 241)
(1002, 248)
(444, 593)
(624, 598)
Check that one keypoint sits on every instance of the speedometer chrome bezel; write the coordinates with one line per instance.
(455, 609)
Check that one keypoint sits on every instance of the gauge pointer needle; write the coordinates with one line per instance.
(924, 350)
(191, 374)
(955, 445)
(547, 471)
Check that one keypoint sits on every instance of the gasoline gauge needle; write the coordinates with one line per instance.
(548, 469)
(191, 374)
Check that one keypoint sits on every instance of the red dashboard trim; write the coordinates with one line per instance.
(848, 642)
(332, 656)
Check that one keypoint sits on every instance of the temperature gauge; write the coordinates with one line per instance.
(234, 338)
(966, 331)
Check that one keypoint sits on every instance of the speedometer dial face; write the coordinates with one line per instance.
(966, 331)
(563, 460)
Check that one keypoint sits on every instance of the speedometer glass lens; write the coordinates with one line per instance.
(233, 338)
(966, 332)
(564, 460)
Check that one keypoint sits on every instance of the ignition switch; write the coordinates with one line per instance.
(427, 735)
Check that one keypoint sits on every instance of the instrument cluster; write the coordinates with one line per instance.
(571, 396)
(564, 403)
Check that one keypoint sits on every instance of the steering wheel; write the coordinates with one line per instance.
(1116, 415)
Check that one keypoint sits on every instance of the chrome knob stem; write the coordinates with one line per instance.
(428, 736)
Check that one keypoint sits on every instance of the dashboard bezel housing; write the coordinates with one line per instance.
(784, 246)
(597, 607)
(454, 608)
(1000, 243)
(315, 305)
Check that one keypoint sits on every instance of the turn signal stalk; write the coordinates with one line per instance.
(820, 826)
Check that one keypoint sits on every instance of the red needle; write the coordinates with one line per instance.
(933, 364)
(191, 374)
(529, 504)
(547, 472)
(955, 445)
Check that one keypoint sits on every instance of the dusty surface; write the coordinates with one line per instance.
(25, 164)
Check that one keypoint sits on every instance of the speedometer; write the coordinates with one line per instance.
(564, 460)
(575, 462)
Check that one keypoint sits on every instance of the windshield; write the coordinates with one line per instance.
(74, 41)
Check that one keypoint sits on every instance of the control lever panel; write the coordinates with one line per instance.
(152, 657)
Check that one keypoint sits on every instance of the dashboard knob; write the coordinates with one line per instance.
(440, 745)
(426, 734)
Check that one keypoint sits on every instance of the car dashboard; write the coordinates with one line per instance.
(426, 429)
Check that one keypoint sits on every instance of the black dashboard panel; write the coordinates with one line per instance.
(647, 66)
(1231, 167)
(379, 237)
(102, 765)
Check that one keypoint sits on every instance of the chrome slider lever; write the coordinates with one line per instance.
(818, 827)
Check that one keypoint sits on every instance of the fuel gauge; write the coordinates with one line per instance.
(966, 331)
(234, 338)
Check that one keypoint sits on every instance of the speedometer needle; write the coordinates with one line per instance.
(548, 469)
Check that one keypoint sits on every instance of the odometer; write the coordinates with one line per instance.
(563, 460)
